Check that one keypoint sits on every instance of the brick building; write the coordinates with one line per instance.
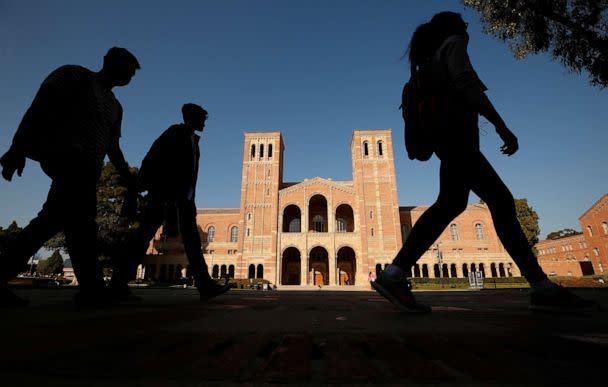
(320, 231)
(582, 254)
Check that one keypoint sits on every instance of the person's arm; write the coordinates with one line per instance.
(469, 86)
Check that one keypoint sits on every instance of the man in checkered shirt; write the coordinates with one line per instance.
(72, 124)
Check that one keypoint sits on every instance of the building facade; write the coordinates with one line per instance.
(325, 232)
(583, 254)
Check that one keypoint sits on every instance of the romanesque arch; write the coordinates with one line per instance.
(345, 218)
(346, 265)
(318, 265)
(292, 218)
(291, 264)
(317, 213)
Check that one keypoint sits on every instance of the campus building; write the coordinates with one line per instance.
(325, 232)
(582, 254)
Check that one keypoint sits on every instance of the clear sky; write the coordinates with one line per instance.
(314, 70)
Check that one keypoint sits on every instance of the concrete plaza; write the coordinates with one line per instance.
(304, 337)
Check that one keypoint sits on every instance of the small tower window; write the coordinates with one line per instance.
(372, 231)
(454, 232)
(590, 230)
(365, 149)
(479, 231)
(261, 151)
(269, 151)
(253, 151)
(380, 148)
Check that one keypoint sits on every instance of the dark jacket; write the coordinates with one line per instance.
(170, 167)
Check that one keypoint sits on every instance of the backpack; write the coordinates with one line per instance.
(420, 112)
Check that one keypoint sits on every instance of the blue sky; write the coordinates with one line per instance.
(314, 70)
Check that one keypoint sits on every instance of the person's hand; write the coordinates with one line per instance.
(510, 145)
(12, 161)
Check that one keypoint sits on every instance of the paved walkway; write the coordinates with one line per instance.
(316, 337)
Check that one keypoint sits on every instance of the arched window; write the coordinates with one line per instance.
(318, 223)
(210, 234)
(479, 231)
(215, 272)
(294, 225)
(590, 230)
(605, 227)
(380, 149)
(252, 151)
(234, 231)
(231, 271)
(269, 151)
(223, 271)
(365, 149)
(454, 231)
(251, 273)
(261, 151)
(249, 216)
(260, 272)
(248, 232)
(341, 225)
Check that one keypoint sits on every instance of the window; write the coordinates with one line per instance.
(253, 151)
(365, 149)
(454, 231)
(269, 151)
(605, 228)
(341, 225)
(318, 223)
(234, 231)
(371, 214)
(294, 225)
(251, 272)
(260, 271)
(479, 231)
(372, 232)
(261, 151)
(596, 251)
(248, 232)
(249, 216)
(379, 148)
(590, 230)
(210, 234)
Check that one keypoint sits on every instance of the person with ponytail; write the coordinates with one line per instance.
(440, 48)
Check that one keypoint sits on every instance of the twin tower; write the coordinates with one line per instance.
(314, 232)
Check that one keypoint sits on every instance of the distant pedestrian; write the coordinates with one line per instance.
(72, 124)
(439, 50)
(169, 173)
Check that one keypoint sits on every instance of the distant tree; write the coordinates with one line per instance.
(528, 220)
(52, 265)
(562, 233)
(575, 32)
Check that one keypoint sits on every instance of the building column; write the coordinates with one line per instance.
(304, 269)
(331, 258)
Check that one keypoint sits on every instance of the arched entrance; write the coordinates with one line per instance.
(346, 264)
(291, 264)
(319, 266)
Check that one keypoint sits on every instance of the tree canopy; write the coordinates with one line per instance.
(575, 32)
(8, 234)
(528, 220)
(52, 265)
(566, 232)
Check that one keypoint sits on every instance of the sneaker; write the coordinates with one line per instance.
(560, 300)
(211, 289)
(399, 292)
(9, 299)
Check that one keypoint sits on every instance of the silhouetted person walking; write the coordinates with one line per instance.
(442, 45)
(169, 173)
(72, 124)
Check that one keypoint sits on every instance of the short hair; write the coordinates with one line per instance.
(119, 55)
(193, 111)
